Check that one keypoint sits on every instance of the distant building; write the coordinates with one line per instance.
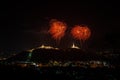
(42, 47)
(46, 47)
(73, 46)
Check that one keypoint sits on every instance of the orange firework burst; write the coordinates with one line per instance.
(81, 32)
(57, 29)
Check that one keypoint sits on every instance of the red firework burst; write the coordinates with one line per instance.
(81, 32)
(57, 29)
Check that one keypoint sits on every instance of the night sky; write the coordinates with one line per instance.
(24, 25)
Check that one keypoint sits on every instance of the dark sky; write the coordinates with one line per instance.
(24, 25)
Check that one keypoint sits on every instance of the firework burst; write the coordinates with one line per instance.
(81, 32)
(57, 29)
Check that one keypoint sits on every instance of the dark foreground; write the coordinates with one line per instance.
(58, 73)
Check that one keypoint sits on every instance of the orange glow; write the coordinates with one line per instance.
(57, 29)
(81, 32)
